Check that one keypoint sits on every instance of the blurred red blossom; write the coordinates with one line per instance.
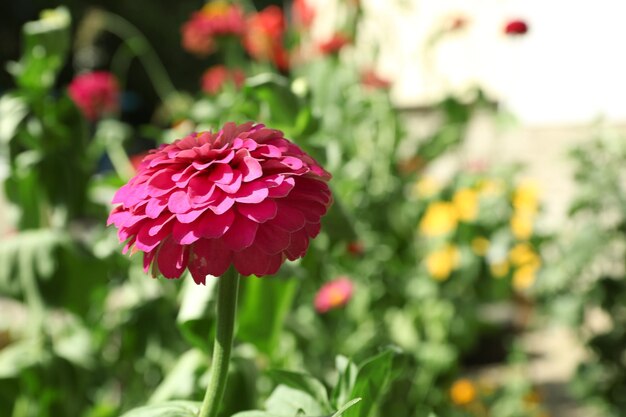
(516, 27)
(303, 13)
(95, 94)
(214, 78)
(217, 18)
(334, 294)
(334, 44)
(370, 79)
(244, 196)
(264, 37)
(355, 248)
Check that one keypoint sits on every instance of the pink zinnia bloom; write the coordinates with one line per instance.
(95, 94)
(244, 196)
(371, 79)
(303, 13)
(516, 27)
(334, 294)
(264, 37)
(334, 44)
(216, 19)
(214, 78)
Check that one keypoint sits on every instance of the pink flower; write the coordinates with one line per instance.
(95, 93)
(264, 37)
(516, 27)
(303, 13)
(214, 78)
(334, 44)
(244, 196)
(371, 79)
(216, 19)
(334, 294)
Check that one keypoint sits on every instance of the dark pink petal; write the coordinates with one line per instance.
(251, 169)
(282, 189)
(251, 261)
(272, 239)
(292, 162)
(298, 245)
(155, 207)
(172, 259)
(147, 259)
(222, 204)
(209, 257)
(253, 192)
(222, 174)
(185, 233)
(261, 212)
(234, 186)
(161, 183)
(211, 225)
(288, 218)
(190, 216)
(179, 202)
(241, 233)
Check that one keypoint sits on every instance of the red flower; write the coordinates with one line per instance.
(216, 19)
(264, 37)
(355, 248)
(370, 79)
(95, 93)
(516, 27)
(244, 196)
(303, 13)
(214, 78)
(334, 294)
(334, 44)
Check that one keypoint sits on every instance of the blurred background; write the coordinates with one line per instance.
(478, 155)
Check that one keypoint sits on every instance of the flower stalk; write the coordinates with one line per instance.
(227, 288)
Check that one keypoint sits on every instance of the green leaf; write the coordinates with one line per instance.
(271, 299)
(179, 382)
(46, 45)
(345, 407)
(303, 382)
(347, 378)
(286, 401)
(169, 409)
(13, 109)
(195, 315)
(370, 384)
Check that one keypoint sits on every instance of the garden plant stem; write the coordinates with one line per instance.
(227, 288)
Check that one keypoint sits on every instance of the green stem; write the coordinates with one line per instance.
(227, 288)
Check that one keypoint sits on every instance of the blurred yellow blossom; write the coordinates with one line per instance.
(526, 197)
(426, 187)
(465, 201)
(499, 269)
(462, 392)
(440, 218)
(442, 262)
(523, 254)
(524, 276)
(480, 245)
(522, 225)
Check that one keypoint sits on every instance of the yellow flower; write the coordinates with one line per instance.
(522, 254)
(522, 225)
(526, 197)
(462, 392)
(426, 187)
(480, 245)
(442, 262)
(465, 201)
(525, 276)
(440, 218)
(499, 269)
(216, 8)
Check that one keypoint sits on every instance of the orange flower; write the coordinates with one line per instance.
(462, 392)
